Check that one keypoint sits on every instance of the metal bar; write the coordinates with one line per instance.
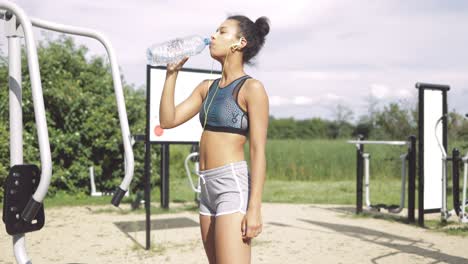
(189, 173)
(463, 217)
(366, 158)
(16, 124)
(359, 175)
(411, 178)
(396, 143)
(38, 101)
(147, 179)
(164, 176)
(421, 156)
(19, 243)
(403, 185)
(432, 86)
(129, 158)
(456, 180)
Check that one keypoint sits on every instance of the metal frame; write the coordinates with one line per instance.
(119, 96)
(14, 18)
(18, 24)
(463, 215)
(421, 88)
(363, 164)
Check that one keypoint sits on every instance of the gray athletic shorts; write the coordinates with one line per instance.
(225, 189)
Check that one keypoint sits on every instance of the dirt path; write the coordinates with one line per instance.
(291, 234)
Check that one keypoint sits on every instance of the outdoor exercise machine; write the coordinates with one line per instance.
(408, 167)
(459, 208)
(194, 157)
(431, 161)
(26, 185)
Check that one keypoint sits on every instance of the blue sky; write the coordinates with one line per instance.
(319, 54)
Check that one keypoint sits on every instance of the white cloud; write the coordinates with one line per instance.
(379, 91)
(325, 99)
(303, 100)
(278, 100)
(324, 76)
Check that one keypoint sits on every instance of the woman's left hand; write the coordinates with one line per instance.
(251, 224)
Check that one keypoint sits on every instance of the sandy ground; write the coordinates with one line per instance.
(292, 234)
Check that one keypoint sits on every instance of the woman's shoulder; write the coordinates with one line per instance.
(254, 90)
(252, 84)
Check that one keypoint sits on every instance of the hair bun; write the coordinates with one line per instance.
(263, 25)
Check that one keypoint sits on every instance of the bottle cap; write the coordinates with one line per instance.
(207, 41)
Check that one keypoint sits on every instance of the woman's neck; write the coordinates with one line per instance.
(232, 70)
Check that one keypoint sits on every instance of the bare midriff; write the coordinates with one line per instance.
(220, 148)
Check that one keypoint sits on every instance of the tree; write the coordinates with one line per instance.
(82, 117)
(395, 123)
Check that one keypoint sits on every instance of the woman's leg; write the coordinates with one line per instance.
(207, 226)
(230, 248)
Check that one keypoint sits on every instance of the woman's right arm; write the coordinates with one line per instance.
(170, 115)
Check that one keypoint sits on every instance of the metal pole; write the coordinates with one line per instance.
(148, 193)
(456, 180)
(421, 157)
(164, 176)
(16, 122)
(411, 178)
(359, 176)
(35, 203)
(148, 165)
(366, 157)
(463, 217)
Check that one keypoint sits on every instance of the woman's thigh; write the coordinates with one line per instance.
(230, 248)
(207, 228)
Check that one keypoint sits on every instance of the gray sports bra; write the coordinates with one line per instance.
(225, 114)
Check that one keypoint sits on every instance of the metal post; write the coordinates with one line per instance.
(411, 178)
(359, 176)
(366, 158)
(16, 119)
(164, 176)
(456, 179)
(463, 217)
(147, 179)
(421, 157)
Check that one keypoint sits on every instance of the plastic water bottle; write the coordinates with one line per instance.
(175, 50)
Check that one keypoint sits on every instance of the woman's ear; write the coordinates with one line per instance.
(242, 43)
(239, 45)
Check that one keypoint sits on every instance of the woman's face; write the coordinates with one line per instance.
(225, 36)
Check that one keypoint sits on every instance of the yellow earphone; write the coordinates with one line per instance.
(237, 45)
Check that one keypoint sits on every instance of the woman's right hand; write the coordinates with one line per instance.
(175, 67)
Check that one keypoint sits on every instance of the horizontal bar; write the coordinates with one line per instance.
(432, 86)
(375, 142)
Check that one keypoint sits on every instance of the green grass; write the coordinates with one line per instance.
(328, 192)
(276, 191)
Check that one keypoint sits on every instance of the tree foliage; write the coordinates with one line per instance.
(82, 117)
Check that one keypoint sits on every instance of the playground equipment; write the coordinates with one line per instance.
(459, 207)
(363, 164)
(194, 158)
(27, 185)
(432, 162)
(462, 213)
(126, 137)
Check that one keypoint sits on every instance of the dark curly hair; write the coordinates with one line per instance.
(254, 33)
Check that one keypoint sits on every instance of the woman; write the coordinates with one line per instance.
(231, 109)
